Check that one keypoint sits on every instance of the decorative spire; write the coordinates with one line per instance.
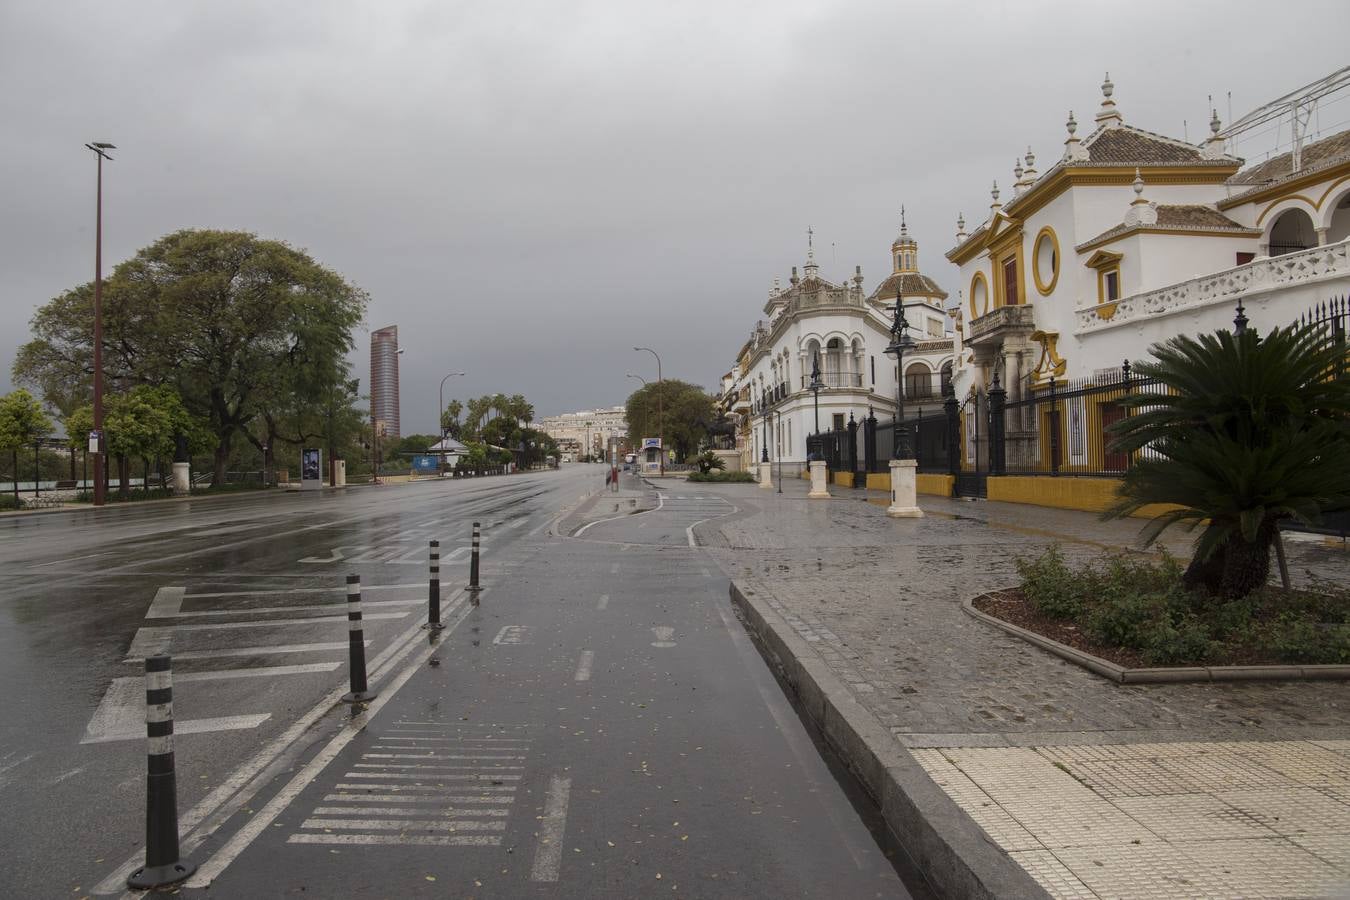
(993, 193)
(1214, 146)
(1074, 151)
(1031, 165)
(960, 227)
(1141, 212)
(1108, 116)
(811, 269)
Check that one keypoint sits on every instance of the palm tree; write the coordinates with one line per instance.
(1245, 431)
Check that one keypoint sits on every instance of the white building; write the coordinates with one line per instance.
(847, 332)
(590, 428)
(1131, 237)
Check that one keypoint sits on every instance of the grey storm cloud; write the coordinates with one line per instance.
(530, 189)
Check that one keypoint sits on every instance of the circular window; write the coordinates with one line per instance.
(1045, 261)
(979, 296)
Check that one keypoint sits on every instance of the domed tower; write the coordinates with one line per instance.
(917, 288)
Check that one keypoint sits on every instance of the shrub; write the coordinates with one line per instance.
(1138, 604)
(723, 477)
(1051, 587)
(7, 501)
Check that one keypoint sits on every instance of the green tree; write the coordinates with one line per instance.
(450, 418)
(22, 423)
(229, 319)
(143, 424)
(674, 408)
(1244, 432)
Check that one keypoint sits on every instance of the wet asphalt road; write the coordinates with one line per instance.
(599, 726)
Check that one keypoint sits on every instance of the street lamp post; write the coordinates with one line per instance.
(100, 473)
(660, 406)
(900, 342)
(815, 388)
(644, 402)
(440, 411)
(764, 450)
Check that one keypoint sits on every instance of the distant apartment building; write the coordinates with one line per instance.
(384, 379)
(590, 428)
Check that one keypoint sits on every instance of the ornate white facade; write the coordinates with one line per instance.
(1132, 237)
(590, 428)
(847, 332)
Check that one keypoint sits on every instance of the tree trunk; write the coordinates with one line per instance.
(1247, 564)
(123, 476)
(1205, 575)
(15, 460)
(221, 460)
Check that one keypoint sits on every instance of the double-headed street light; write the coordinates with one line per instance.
(660, 406)
(815, 387)
(900, 342)
(100, 149)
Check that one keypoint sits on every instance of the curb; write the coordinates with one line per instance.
(1161, 675)
(953, 853)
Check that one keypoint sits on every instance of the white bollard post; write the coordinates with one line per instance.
(904, 490)
(819, 491)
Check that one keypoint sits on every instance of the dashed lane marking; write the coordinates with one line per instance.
(584, 665)
(548, 854)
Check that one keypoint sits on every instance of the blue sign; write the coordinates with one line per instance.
(424, 464)
(651, 443)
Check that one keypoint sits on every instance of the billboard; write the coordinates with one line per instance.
(651, 443)
(424, 464)
(311, 468)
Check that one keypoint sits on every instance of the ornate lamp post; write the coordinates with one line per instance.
(815, 388)
(900, 342)
(764, 448)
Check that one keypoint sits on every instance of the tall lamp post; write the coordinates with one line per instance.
(100, 473)
(764, 414)
(440, 411)
(900, 342)
(660, 406)
(644, 404)
(815, 387)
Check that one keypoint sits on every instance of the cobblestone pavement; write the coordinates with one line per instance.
(879, 599)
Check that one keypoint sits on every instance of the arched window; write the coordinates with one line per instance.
(918, 381)
(946, 377)
(1292, 231)
(1338, 225)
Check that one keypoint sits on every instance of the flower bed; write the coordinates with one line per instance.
(1135, 612)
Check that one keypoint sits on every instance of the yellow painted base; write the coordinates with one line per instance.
(1087, 494)
(936, 485)
(879, 481)
(843, 479)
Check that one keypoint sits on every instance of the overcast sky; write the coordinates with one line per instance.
(530, 189)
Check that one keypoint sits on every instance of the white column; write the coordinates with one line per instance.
(766, 475)
(182, 482)
(904, 490)
(819, 490)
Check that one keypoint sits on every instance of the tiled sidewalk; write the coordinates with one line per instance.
(1097, 789)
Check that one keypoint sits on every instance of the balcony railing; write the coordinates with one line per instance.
(1005, 318)
(1303, 267)
(835, 380)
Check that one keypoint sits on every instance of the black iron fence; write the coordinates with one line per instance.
(1051, 426)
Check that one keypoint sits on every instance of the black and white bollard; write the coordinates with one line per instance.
(434, 589)
(473, 568)
(357, 639)
(162, 865)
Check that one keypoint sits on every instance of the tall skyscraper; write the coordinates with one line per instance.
(384, 378)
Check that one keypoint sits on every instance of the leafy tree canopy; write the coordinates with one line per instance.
(676, 409)
(22, 420)
(230, 320)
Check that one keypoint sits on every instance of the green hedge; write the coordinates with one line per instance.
(738, 477)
